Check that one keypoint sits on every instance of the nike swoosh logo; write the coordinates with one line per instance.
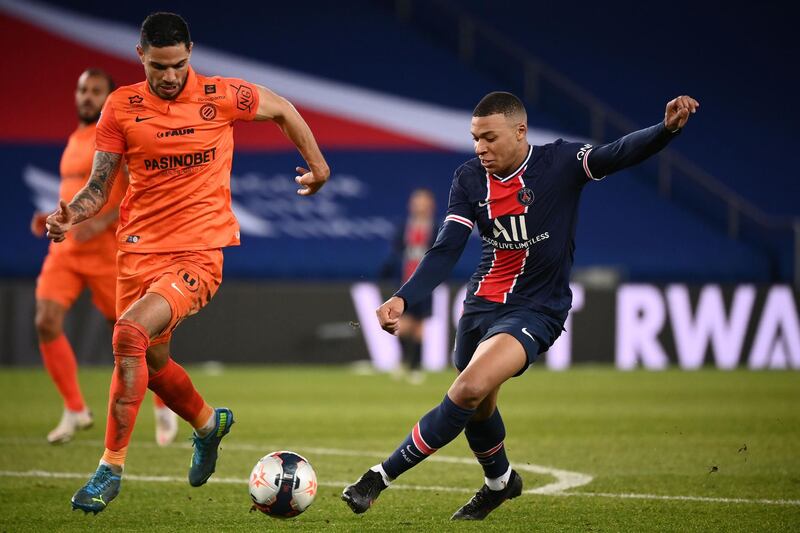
(142, 119)
(177, 288)
(484, 204)
(525, 331)
(408, 447)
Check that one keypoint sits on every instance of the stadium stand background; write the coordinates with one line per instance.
(630, 58)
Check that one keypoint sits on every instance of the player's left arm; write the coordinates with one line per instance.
(274, 107)
(635, 147)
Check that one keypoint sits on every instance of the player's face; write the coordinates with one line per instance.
(500, 142)
(166, 68)
(421, 204)
(90, 95)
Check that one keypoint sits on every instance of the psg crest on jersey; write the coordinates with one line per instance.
(525, 196)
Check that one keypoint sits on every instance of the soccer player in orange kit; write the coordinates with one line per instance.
(85, 259)
(174, 131)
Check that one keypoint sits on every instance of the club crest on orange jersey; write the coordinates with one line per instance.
(208, 112)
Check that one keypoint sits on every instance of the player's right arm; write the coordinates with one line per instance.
(110, 144)
(89, 200)
(438, 262)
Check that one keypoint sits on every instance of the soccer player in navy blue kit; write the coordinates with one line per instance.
(524, 200)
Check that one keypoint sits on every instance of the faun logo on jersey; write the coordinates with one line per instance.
(175, 133)
(169, 162)
(511, 233)
(582, 152)
(208, 112)
(525, 196)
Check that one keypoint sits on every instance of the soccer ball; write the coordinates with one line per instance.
(282, 484)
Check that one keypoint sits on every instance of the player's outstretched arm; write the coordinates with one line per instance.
(89, 200)
(639, 145)
(279, 110)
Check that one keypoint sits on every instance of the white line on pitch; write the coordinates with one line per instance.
(339, 484)
(564, 479)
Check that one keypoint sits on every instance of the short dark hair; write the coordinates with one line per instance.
(100, 73)
(499, 102)
(164, 29)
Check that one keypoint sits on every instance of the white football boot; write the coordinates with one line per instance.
(166, 426)
(71, 421)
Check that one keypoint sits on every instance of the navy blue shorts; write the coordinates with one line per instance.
(482, 320)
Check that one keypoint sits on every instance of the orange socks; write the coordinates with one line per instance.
(59, 360)
(128, 386)
(158, 402)
(175, 388)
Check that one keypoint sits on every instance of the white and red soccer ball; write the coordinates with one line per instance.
(282, 484)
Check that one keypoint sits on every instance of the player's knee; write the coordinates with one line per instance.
(467, 392)
(129, 339)
(48, 327)
(157, 357)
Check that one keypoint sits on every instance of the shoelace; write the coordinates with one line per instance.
(100, 481)
(476, 500)
(199, 449)
(374, 485)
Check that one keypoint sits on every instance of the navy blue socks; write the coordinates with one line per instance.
(434, 430)
(486, 442)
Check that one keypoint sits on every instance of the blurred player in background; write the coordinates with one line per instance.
(87, 258)
(524, 200)
(410, 245)
(174, 130)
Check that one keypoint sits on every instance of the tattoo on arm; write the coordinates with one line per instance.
(91, 199)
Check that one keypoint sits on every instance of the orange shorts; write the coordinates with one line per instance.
(65, 275)
(186, 280)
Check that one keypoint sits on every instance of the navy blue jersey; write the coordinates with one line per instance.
(526, 221)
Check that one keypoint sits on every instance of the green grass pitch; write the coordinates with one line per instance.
(631, 444)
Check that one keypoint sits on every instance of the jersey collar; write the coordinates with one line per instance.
(519, 170)
(185, 95)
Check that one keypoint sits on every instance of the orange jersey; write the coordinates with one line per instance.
(179, 154)
(76, 165)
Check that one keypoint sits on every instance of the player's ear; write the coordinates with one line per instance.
(522, 131)
(189, 48)
(140, 51)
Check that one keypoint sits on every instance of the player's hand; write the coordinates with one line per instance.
(389, 314)
(37, 224)
(59, 222)
(678, 110)
(88, 229)
(310, 182)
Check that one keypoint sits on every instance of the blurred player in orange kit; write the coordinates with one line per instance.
(85, 259)
(174, 131)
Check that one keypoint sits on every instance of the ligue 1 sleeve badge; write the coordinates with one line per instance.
(525, 196)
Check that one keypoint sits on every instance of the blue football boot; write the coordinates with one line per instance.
(98, 492)
(204, 458)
